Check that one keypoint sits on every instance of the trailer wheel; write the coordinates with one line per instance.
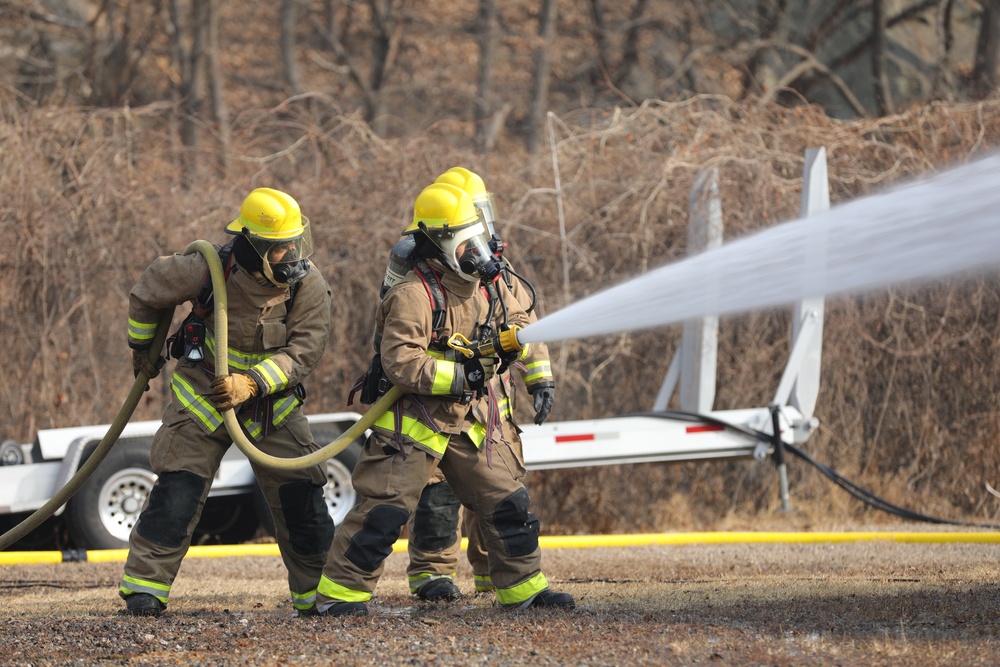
(102, 513)
(338, 492)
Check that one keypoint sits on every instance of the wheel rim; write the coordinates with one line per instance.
(122, 498)
(339, 492)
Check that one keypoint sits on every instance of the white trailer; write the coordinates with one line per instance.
(102, 513)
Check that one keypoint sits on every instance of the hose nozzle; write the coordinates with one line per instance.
(504, 342)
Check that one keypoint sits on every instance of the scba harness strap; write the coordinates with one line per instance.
(373, 384)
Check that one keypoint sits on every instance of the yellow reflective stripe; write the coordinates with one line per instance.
(477, 434)
(197, 404)
(331, 589)
(282, 408)
(303, 600)
(483, 583)
(538, 370)
(131, 585)
(504, 406)
(273, 376)
(524, 352)
(415, 430)
(238, 360)
(444, 377)
(141, 331)
(253, 428)
(521, 592)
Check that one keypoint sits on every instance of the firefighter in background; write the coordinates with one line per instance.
(434, 543)
(447, 417)
(279, 322)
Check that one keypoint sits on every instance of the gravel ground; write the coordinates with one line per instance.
(871, 603)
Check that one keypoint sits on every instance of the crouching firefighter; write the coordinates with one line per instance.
(447, 418)
(279, 322)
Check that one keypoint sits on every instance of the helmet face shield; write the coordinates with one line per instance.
(466, 250)
(487, 211)
(285, 260)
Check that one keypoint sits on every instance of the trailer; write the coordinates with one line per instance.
(102, 513)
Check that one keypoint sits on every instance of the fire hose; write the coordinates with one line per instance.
(61, 497)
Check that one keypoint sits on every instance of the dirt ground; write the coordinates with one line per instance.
(862, 603)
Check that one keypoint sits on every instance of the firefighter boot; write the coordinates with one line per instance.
(143, 604)
(343, 609)
(439, 590)
(551, 599)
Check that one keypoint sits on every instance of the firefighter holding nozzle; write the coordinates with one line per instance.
(279, 322)
(447, 417)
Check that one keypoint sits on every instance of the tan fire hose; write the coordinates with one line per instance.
(217, 273)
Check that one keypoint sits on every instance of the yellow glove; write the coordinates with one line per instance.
(229, 391)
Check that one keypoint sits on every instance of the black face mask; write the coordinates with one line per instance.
(290, 272)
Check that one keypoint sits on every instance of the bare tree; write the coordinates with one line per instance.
(880, 79)
(540, 80)
(984, 73)
(388, 31)
(486, 132)
(287, 44)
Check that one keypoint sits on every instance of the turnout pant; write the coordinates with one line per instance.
(391, 477)
(186, 459)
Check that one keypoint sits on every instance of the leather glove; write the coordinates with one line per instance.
(142, 364)
(229, 391)
(545, 396)
(478, 372)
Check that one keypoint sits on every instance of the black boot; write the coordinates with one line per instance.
(439, 590)
(549, 598)
(344, 609)
(143, 604)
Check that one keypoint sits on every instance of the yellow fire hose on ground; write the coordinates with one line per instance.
(249, 450)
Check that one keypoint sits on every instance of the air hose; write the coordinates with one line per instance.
(61, 497)
(864, 495)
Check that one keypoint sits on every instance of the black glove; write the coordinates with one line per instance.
(478, 372)
(545, 396)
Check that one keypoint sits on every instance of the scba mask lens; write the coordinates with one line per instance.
(285, 262)
(479, 260)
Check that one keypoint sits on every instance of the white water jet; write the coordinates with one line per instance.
(946, 224)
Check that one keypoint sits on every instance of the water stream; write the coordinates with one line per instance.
(925, 230)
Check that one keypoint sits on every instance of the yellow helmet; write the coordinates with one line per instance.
(446, 215)
(472, 183)
(269, 214)
(273, 224)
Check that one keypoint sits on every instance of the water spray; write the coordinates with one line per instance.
(928, 229)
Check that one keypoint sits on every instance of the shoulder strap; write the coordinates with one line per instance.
(435, 292)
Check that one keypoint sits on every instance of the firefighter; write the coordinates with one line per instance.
(279, 322)
(434, 543)
(447, 417)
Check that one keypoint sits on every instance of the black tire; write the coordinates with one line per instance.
(339, 492)
(103, 511)
(226, 520)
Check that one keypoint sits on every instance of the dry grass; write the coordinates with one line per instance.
(908, 402)
(867, 603)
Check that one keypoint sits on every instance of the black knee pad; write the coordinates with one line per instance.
(517, 526)
(435, 521)
(373, 543)
(173, 503)
(310, 528)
